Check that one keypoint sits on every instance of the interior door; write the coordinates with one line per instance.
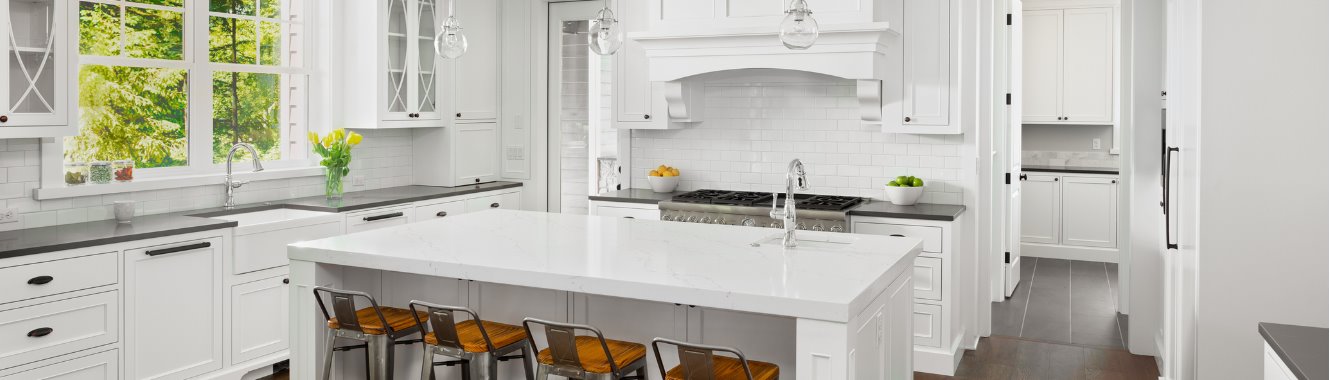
(571, 64)
(1012, 265)
(1180, 181)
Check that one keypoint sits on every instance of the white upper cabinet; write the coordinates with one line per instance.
(1069, 66)
(37, 84)
(928, 64)
(680, 14)
(476, 92)
(637, 102)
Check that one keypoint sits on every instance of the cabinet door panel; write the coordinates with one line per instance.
(477, 75)
(1040, 209)
(35, 63)
(1087, 79)
(428, 15)
(99, 366)
(173, 310)
(259, 319)
(632, 98)
(928, 62)
(396, 54)
(1089, 212)
(1041, 66)
(476, 153)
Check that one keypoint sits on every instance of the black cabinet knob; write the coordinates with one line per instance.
(441, 214)
(41, 332)
(907, 119)
(459, 114)
(647, 117)
(40, 280)
(494, 205)
(4, 118)
(477, 180)
(1056, 179)
(286, 281)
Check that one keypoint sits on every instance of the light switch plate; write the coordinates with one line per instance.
(1096, 144)
(514, 153)
(8, 216)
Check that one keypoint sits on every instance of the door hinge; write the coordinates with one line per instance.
(1008, 98)
(1009, 19)
(1008, 178)
(1006, 258)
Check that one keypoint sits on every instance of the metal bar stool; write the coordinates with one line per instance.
(471, 339)
(380, 328)
(699, 362)
(585, 357)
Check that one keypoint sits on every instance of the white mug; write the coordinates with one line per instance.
(124, 211)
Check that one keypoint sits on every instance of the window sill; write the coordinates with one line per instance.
(47, 193)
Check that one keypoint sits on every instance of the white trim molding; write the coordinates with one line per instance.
(47, 193)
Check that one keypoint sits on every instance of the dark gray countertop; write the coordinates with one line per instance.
(1303, 349)
(32, 241)
(1069, 169)
(875, 208)
(922, 211)
(635, 196)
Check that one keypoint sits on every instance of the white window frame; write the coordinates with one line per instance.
(297, 103)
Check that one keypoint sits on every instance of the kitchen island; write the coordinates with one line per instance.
(839, 306)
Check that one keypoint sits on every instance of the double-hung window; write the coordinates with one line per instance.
(174, 84)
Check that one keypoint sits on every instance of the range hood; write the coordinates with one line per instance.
(868, 53)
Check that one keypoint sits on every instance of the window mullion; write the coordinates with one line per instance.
(200, 89)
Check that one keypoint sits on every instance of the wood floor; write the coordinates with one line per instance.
(1001, 358)
(1064, 301)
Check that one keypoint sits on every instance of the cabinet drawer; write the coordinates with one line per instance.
(507, 201)
(928, 278)
(932, 236)
(98, 366)
(376, 219)
(630, 213)
(47, 330)
(263, 250)
(54, 277)
(437, 211)
(927, 325)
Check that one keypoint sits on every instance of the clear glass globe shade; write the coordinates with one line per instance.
(604, 33)
(450, 43)
(799, 30)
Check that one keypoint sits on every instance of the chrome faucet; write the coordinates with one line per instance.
(794, 177)
(231, 183)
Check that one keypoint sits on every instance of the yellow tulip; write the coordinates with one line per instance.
(328, 140)
(354, 138)
(339, 134)
(313, 138)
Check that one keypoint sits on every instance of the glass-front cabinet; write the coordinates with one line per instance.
(400, 81)
(36, 99)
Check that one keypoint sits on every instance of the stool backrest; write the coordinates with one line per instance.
(562, 339)
(443, 323)
(698, 360)
(344, 308)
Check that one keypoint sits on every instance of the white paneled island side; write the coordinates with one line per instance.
(838, 306)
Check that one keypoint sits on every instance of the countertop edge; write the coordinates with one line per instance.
(221, 224)
(897, 215)
(625, 200)
(1104, 171)
(392, 202)
(1283, 350)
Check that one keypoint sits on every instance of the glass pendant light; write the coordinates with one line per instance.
(799, 30)
(605, 35)
(450, 43)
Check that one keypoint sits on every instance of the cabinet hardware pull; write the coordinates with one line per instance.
(494, 205)
(183, 248)
(40, 280)
(286, 281)
(1168, 179)
(1115, 181)
(441, 214)
(1056, 179)
(459, 114)
(647, 117)
(477, 180)
(897, 235)
(4, 118)
(384, 216)
(907, 119)
(1024, 177)
(40, 332)
(629, 217)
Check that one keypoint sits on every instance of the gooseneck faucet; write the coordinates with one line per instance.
(231, 183)
(795, 177)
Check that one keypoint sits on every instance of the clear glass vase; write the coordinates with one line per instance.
(333, 186)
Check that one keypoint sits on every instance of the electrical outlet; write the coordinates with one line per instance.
(1096, 144)
(8, 216)
(357, 180)
(514, 153)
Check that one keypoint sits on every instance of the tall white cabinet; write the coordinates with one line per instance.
(35, 73)
(1069, 63)
(928, 66)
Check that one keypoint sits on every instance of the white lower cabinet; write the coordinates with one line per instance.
(360, 221)
(259, 324)
(505, 201)
(1090, 211)
(173, 309)
(1040, 208)
(437, 210)
(1273, 367)
(46, 330)
(624, 210)
(99, 366)
(1069, 216)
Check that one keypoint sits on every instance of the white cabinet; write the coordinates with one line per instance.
(259, 324)
(644, 211)
(1089, 211)
(460, 154)
(928, 68)
(173, 309)
(361, 221)
(98, 366)
(52, 329)
(392, 79)
(423, 212)
(637, 103)
(35, 73)
(882, 343)
(1069, 66)
(1040, 208)
(1273, 367)
(476, 84)
(505, 201)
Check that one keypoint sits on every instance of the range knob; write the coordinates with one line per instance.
(818, 227)
(748, 222)
(837, 228)
(665, 218)
(801, 226)
(692, 219)
(774, 225)
(704, 220)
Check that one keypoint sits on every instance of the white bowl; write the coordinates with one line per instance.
(903, 196)
(663, 184)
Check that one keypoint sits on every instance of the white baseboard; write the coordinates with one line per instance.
(237, 372)
(938, 361)
(1067, 252)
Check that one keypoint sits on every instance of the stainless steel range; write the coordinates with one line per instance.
(748, 208)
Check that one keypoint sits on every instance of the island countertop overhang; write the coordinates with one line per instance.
(831, 277)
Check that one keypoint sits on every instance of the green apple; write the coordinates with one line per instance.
(918, 183)
(903, 180)
(893, 184)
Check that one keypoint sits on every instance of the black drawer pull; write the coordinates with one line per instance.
(191, 247)
(286, 281)
(441, 214)
(40, 280)
(629, 217)
(494, 205)
(384, 216)
(41, 332)
(897, 235)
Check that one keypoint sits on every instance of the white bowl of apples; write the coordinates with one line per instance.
(904, 190)
(663, 179)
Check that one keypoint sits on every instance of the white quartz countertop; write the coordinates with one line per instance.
(830, 276)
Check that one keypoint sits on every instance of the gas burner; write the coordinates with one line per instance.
(828, 202)
(752, 209)
(722, 197)
(699, 196)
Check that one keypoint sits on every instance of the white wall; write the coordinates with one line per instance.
(382, 160)
(1262, 248)
(1074, 138)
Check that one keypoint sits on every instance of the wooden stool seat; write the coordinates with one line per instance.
(727, 368)
(399, 319)
(592, 355)
(501, 335)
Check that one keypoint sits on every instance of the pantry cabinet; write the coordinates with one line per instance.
(1090, 211)
(1041, 205)
(173, 309)
(1069, 60)
(37, 76)
(1069, 216)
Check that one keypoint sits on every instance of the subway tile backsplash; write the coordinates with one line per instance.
(752, 130)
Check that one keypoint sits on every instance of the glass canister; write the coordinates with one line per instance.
(76, 173)
(124, 170)
(99, 172)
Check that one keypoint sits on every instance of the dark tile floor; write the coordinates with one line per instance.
(1064, 301)
(1002, 358)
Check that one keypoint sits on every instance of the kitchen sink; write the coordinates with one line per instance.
(274, 219)
(263, 234)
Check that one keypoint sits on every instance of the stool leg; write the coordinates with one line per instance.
(381, 359)
(427, 365)
(526, 362)
(329, 338)
(466, 370)
(492, 367)
(542, 372)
